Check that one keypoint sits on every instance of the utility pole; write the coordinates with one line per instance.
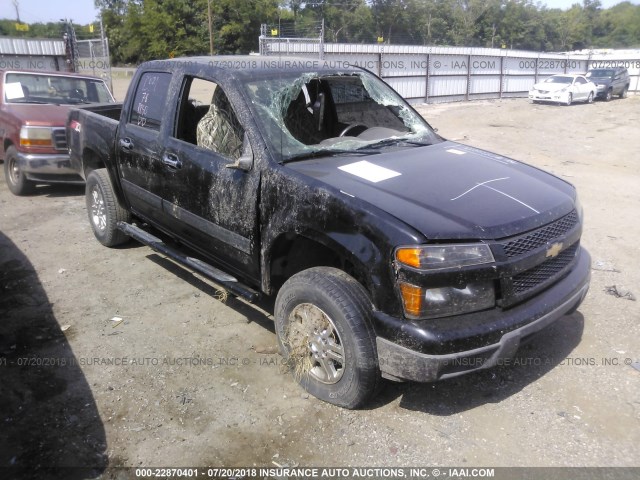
(16, 4)
(210, 27)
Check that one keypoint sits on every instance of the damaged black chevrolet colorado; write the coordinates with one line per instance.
(390, 251)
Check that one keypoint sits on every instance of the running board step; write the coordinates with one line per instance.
(223, 279)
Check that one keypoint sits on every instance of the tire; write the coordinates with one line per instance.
(323, 326)
(590, 98)
(569, 100)
(608, 96)
(14, 176)
(624, 92)
(104, 210)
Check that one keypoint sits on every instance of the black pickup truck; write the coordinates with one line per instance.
(390, 251)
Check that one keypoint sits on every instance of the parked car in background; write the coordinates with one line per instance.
(610, 81)
(33, 111)
(564, 89)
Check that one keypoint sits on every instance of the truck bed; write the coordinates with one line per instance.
(91, 131)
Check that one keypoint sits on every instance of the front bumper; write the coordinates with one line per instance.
(602, 91)
(555, 97)
(402, 361)
(49, 168)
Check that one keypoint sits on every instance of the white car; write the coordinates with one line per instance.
(564, 89)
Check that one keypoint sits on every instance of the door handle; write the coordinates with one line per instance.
(126, 144)
(172, 161)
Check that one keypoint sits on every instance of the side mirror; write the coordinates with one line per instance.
(244, 163)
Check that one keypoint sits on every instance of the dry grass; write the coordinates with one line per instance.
(296, 343)
(221, 296)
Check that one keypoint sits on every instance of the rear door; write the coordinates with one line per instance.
(213, 207)
(139, 145)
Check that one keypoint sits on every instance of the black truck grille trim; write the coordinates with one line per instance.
(60, 138)
(530, 279)
(540, 237)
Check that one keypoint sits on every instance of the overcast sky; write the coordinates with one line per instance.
(83, 11)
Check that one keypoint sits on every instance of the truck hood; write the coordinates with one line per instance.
(43, 115)
(448, 190)
(601, 81)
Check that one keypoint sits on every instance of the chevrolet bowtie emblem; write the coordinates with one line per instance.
(554, 250)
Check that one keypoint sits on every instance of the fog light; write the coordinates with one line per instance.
(446, 301)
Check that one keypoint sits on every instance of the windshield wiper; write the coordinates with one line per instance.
(395, 141)
(328, 152)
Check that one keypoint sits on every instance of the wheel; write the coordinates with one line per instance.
(323, 325)
(590, 99)
(353, 126)
(569, 99)
(14, 176)
(104, 210)
(624, 92)
(609, 95)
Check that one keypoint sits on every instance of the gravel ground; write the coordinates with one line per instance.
(202, 385)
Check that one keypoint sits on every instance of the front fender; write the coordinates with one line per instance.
(363, 236)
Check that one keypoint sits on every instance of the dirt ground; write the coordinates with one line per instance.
(186, 380)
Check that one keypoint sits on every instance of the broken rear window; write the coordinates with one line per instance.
(300, 115)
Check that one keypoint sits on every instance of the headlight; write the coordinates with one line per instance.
(421, 303)
(36, 137)
(438, 257)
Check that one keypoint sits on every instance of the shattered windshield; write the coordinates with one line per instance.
(315, 114)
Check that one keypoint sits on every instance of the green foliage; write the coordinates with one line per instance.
(620, 25)
(140, 30)
(236, 24)
(36, 30)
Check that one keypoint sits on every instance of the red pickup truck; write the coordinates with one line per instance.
(33, 111)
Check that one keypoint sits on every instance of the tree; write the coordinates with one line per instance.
(466, 15)
(143, 29)
(430, 19)
(620, 26)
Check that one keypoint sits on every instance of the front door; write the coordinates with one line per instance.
(213, 207)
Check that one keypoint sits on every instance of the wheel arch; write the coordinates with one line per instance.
(92, 160)
(291, 253)
(6, 144)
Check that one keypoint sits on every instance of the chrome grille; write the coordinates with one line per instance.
(60, 138)
(540, 237)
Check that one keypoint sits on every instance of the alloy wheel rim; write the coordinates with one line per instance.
(98, 210)
(315, 341)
